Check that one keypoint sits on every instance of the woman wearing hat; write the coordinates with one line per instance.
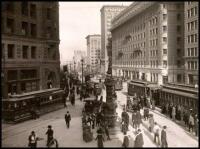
(164, 137)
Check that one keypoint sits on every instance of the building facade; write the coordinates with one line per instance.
(107, 14)
(30, 46)
(191, 42)
(148, 43)
(93, 52)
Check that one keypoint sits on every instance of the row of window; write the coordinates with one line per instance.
(192, 65)
(192, 52)
(153, 42)
(154, 53)
(11, 51)
(192, 25)
(192, 12)
(154, 31)
(154, 64)
(154, 77)
(23, 74)
(153, 21)
(192, 38)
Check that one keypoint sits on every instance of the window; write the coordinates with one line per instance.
(178, 63)
(192, 12)
(195, 51)
(164, 39)
(25, 52)
(33, 30)
(188, 26)
(12, 75)
(10, 7)
(10, 25)
(164, 51)
(192, 38)
(195, 38)
(188, 52)
(192, 25)
(195, 24)
(164, 16)
(24, 8)
(178, 28)
(33, 10)
(48, 13)
(11, 51)
(192, 65)
(178, 40)
(24, 28)
(195, 11)
(33, 52)
(188, 13)
(178, 52)
(164, 28)
(165, 64)
(178, 78)
(178, 17)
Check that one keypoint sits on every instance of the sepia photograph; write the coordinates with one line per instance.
(121, 74)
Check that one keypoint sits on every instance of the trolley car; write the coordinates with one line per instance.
(18, 107)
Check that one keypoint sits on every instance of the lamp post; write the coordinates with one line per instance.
(82, 75)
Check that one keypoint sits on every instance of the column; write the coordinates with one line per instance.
(18, 82)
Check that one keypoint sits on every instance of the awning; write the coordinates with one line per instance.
(153, 86)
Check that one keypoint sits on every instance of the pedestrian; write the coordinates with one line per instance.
(32, 140)
(170, 110)
(72, 98)
(125, 143)
(164, 137)
(89, 120)
(173, 113)
(191, 122)
(100, 138)
(139, 142)
(156, 133)
(93, 120)
(49, 134)
(134, 119)
(196, 125)
(67, 119)
(138, 119)
(125, 118)
(107, 131)
(151, 123)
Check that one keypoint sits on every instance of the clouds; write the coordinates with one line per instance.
(76, 21)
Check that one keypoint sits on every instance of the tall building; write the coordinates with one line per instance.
(148, 42)
(191, 42)
(30, 46)
(93, 51)
(107, 14)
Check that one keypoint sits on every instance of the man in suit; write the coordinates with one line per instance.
(164, 137)
(139, 142)
(67, 119)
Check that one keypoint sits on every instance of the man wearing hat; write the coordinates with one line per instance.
(32, 140)
(164, 137)
(49, 134)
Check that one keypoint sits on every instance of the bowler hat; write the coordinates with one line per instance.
(49, 126)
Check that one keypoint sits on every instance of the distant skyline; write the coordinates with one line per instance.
(76, 21)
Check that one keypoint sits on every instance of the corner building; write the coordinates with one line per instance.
(191, 42)
(108, 12)
(30, 46)
(148, 42)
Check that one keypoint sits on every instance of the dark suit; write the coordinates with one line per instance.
(67, 119)
(139, 142)
(164, 139)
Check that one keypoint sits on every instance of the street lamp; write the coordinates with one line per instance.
(82, 74)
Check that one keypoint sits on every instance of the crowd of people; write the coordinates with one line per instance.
(182, 114)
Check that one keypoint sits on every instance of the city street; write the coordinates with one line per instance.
(17, 135)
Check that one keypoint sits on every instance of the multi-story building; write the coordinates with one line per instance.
(191, 42)
(93, 51)
(108, 12)
(148, 43)
(30, 46)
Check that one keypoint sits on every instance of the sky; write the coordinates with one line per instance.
(76, 21)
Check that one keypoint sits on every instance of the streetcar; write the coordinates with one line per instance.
(132, 104)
